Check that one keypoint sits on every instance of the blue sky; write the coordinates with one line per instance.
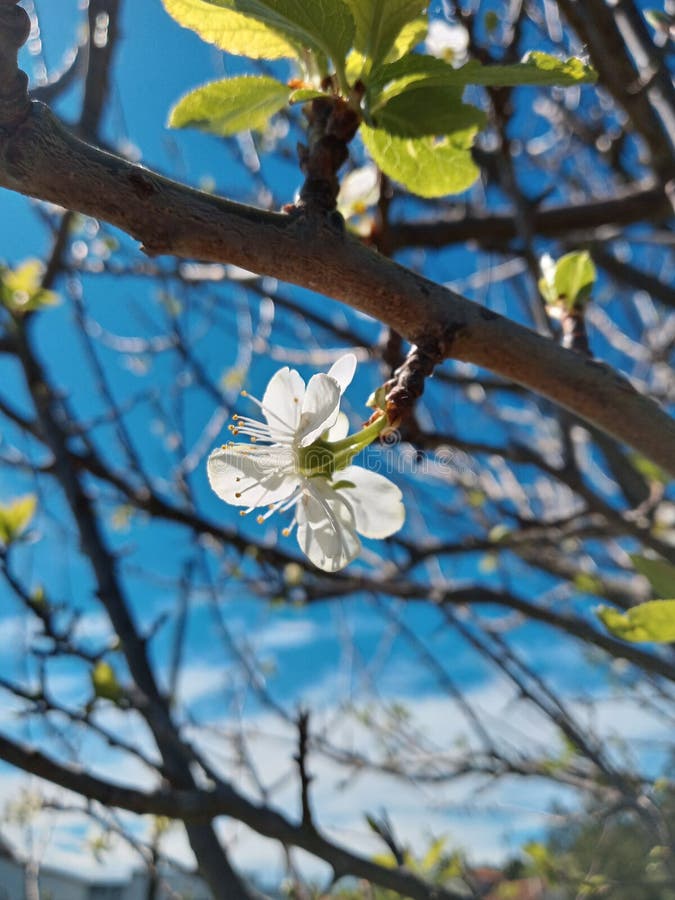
(333, 655)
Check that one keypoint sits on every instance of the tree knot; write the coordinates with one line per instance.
(14, 31)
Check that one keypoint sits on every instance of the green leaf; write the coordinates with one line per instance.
(324, 26)
(656, 18)
(652, 621)
(491, 21)
(380, 22)
(574, 278)
(21, 289)
(37, 598)
(648, 469)
(409, 37)
(453, 866)
(229, 30)
(587, 584)
(661, 22)
(356, 63)
(542, 860)
(391, 79)
(303, 95)
(419, 70)
(659, 573)
(569, 281)
(552, 70)
(232, 105)
(498, 533)
(426, 166)
(15, 517)
(104, 681)
(433, 110)
(434, 855)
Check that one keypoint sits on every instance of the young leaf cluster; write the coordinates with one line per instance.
(15, 517)
(414, 122)
(568, 283)
(651, 621)
(21, 288)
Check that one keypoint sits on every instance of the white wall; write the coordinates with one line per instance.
(62, 886)
(56, 885)
(187, 887)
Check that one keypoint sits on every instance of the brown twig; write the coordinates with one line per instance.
(331, 125)
(302, 723)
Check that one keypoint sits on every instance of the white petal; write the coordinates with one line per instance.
(252, 477)
(340, 429)
(343, 370)
(326, 527)
(320, 408)
(282, 404)
(376, 501)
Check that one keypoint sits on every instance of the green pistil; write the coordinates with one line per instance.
(326, 457)
(317, 459)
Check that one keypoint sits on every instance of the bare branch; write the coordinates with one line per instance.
(199, 806)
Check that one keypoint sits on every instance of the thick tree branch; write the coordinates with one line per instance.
(41, 158)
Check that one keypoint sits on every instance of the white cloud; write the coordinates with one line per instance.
(287, 635)
(199, 681)
(489, 818)
(16, 631)
(94, 626)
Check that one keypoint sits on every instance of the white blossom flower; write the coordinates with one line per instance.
(446, 41)
(299, 458)
(359, 192)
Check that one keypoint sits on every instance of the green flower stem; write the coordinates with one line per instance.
(331, 456)
(361, 439)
